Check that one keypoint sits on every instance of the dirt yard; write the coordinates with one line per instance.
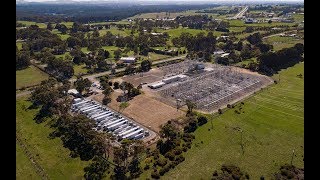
(145, 110)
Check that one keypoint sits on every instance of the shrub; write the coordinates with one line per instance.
(177, 150)
(110, 83)
(180, 158)
(220, 111)
(161, 162)
(228, 106)
(202, 120)
(146, 167)
(184, 149)
(155, 175)
(170, 155)
(116, 85)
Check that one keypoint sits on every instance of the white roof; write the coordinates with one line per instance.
(225, 54)
(128, 58)
(73, 91)
(157, 84)
(172, 77)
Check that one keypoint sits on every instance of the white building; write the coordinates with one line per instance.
(128, 59)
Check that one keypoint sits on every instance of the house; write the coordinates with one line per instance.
(249, 21)
(225, 55)
(128, 59)
(74, 93)
(219, 52)
(156, 34)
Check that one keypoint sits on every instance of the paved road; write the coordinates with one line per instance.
(240, 14)
(92, 77)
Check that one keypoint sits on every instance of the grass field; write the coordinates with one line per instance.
(80, 69)
(240, 23)
(30, 76)
(19, 45)
(24, 168)
(49, 153)
(279, 42)
(273, 125)
(62, 55)
(29, 23)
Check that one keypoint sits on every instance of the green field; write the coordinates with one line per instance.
(115, 31)
(29, 77)
(80, 69)
(24, 168)
(279, 42)
(49, 153)
(29, 23)
(240, 23)
(19, 45)
(62, 55)
(273, 125)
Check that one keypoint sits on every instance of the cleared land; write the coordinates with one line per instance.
(145, 110)
(279, 42)
(49, 153)
(29, 77)
(273, 126)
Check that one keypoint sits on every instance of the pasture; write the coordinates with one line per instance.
(279, 42)
(273, 125)
(29, 77)
(49, 153)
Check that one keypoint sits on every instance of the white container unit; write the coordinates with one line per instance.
(128, 131)
(115, 126)
(132, 134)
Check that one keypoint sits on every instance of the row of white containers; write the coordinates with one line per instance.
(107, 120)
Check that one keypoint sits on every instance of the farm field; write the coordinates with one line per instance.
(24, 168)
(273, 125)
(240, 23)
(29, 77)
(279, 42)
(80, 69)
(49, 153)
(29, 23)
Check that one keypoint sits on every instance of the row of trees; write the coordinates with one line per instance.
(283, 58)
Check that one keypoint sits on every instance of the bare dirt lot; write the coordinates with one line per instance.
(145, 110)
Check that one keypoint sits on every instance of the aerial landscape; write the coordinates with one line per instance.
(159, 89)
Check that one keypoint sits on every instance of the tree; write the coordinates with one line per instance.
(202, 120)
(22, 60)
(116, 85)
(255, 38)
(230, 172)
(107, 91)
(117, 54)
(49, 26)
(106, 100)
(97, 169)
(82, 84)
(146, 65)
(191, 105)
(134, 167)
